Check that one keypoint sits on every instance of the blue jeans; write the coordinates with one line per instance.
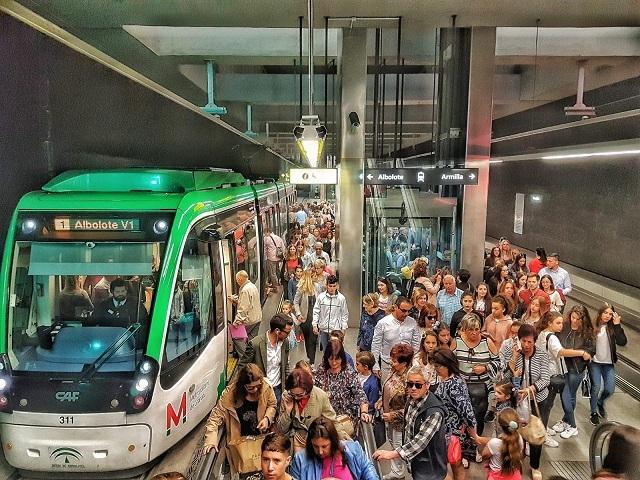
(601, 373)
(572, 381)
(324, 340)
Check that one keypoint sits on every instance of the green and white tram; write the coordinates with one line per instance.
(114, 311)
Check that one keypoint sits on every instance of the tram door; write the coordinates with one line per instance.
(401, 225)
(229, 286)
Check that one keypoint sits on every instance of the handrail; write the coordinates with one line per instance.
(204, 466)
(369, 441)
(599, 438)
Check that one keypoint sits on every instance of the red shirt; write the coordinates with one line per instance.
(526, 296)
(536, 265)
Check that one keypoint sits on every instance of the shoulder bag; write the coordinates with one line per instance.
(279, 250)
(534, 431)
(556, 382)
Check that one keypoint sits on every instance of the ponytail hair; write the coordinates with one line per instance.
(511, 448)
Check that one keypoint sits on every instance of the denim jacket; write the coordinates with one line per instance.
(360, 466)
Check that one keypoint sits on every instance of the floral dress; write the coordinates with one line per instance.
(343, 389)
(455, 396)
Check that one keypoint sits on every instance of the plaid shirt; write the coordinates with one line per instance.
(419, 440)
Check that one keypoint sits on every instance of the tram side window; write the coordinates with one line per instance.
(251, 262)
(192, 307)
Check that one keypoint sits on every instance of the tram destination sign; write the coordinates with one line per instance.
(96, 224)
(419, 176)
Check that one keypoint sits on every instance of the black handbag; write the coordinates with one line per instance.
(379, 430)
(556, 382)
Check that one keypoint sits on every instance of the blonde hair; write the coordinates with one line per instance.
(371, 299)
(305, 284)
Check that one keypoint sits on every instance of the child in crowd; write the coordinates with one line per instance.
(505, 398)
(505, 451)
(444, 337)
(287, 309)
(369, 382)
(304, 365)
(482, 300)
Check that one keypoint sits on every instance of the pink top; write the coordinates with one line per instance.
(332, 467)
(499, 331)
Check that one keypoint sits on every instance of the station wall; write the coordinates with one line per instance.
(587, 210)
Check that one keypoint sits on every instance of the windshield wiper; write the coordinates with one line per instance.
(90, 370)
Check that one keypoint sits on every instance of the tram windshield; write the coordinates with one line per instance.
(72, 301)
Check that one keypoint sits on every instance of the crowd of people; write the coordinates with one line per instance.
(451, 371)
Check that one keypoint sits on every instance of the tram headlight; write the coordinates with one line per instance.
(141, 390)
(3, 384)
(145, 367)
(29, 226)
(142, 384)
(160, 227)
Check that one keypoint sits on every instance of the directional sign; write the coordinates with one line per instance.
(313, 176)
(418, 176)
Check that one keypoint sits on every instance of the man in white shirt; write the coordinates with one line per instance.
(318, 253)
(329, 312)
(558, 274)
(397, 327)
(270, 352)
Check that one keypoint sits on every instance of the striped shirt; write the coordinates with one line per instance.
(468, 357)
(535, 371)
(421, 439)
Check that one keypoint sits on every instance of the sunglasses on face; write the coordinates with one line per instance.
(431, 317)
(252, 387)
(407, 310)
(416, 385)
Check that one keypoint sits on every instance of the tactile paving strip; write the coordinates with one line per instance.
(572, 470)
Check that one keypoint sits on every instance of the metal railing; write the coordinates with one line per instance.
(369, 442)
(599, 444)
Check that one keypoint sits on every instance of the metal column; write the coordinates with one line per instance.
(478, 148)
(353, 77)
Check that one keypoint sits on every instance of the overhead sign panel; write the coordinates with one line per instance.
(313, 176)
(418, 176)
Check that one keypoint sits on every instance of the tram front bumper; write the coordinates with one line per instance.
(87, 449)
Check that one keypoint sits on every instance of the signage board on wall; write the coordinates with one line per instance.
(518, 216)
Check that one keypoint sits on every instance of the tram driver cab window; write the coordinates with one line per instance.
(72, 302)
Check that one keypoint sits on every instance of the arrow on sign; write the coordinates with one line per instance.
(369, 176)
(472, 176)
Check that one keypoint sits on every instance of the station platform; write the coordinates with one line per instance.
(571, 459)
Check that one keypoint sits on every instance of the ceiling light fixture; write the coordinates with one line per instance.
(593, 154)
(310, 133)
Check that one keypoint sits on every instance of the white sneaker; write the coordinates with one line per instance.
(569, 432)
(550, 442)
(551, 432)
(560, 426)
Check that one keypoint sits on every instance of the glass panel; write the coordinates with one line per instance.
(70, 301)
(191, 303)
(88, 258)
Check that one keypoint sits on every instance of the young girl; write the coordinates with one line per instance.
(497, 324)
(546, 283)
(295, 337)
(505, 452)
(505, 397)
(482, 299)
(444, 337)
(424, 357)
(537, 308)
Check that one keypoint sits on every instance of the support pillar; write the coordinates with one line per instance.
(478, 149)
(350, 197)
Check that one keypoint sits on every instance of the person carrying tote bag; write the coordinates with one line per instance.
(528, 366)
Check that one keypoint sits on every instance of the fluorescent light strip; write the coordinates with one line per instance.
(496, 161)
(594, 154)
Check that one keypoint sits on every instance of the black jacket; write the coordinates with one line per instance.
(616, 337)
(570, 339)
(431, 463)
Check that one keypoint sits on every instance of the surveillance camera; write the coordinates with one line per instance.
(354, 119)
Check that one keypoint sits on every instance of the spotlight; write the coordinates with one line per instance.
(310, 135)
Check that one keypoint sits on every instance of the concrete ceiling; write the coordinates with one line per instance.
(255, 43)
